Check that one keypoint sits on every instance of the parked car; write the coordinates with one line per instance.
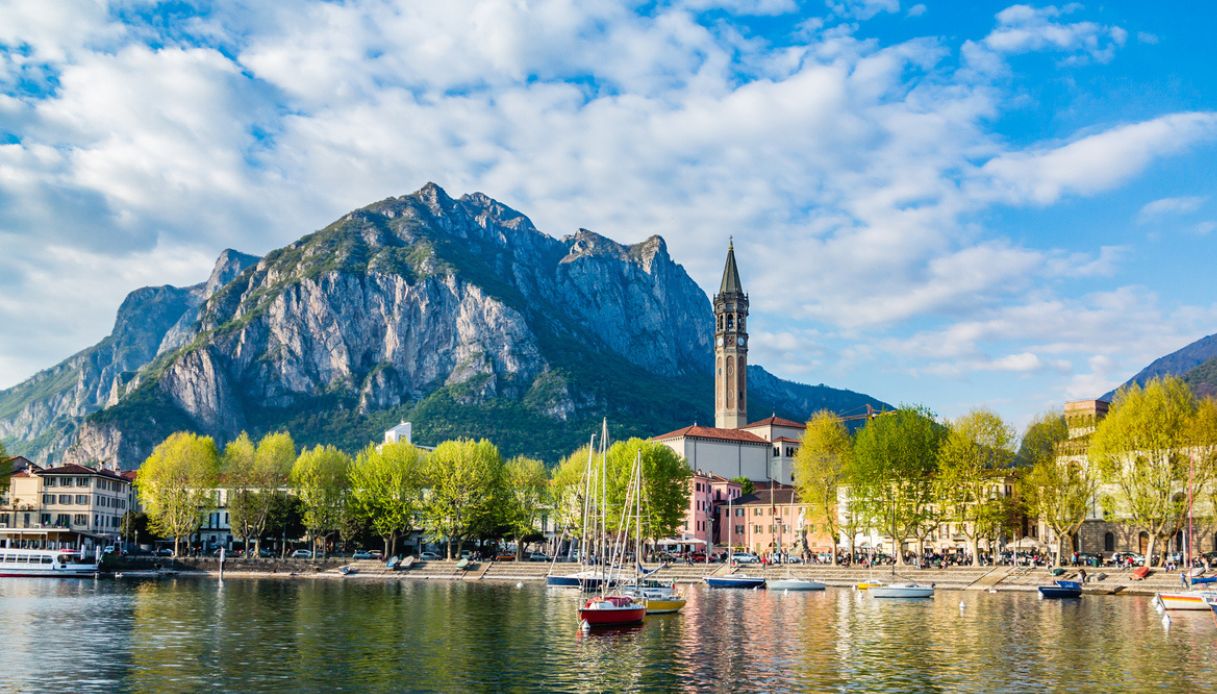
(745, 558)
(538, 556)
(1121, 558)
(108, 549)
(164, 552)
(697, 557)
(363, 554)
(302, 554)
(505, 556)
(465, 554)
(429, 556)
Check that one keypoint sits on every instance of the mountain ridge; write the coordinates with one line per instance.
(1195, 363)
(456, 313)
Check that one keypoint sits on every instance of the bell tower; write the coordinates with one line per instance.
(730, 349)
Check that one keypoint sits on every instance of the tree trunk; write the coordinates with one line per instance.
(834, 551)
(974, 548)
(519, 548)
(1060, 547)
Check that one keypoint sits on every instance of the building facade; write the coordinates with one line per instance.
(70, 499)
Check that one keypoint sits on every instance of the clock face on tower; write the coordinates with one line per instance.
(740, 341)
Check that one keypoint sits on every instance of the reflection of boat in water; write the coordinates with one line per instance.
(797, 584)
(1061, 589)
(36, 563)
(739, 581)
(903, 590)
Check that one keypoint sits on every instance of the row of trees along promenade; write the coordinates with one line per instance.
(904, 475)
(462, 490)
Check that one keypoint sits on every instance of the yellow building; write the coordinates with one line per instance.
(64, 505)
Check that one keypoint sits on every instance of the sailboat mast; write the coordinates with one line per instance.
(1188, 538)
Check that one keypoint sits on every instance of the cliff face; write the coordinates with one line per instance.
(457, 313)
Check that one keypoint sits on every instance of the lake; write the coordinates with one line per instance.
(193, 634)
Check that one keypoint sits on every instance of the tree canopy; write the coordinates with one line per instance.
(820, 466)
(977, 452)
(177, 484)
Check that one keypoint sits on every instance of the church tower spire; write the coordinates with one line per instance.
(730, 348)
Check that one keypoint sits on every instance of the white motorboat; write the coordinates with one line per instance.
(793, 584)
(1186, 600)
(903, 590)
(57, 563)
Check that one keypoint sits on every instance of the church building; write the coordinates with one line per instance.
(760, 451)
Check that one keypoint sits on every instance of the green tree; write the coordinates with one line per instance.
(746, 486)
(1202, 438)
(177, 484)
(134, 526)
(6, 470)
(255, 476)
(819, 470)
(665, 486)
(321, 477)
(464, 490)
(894, 473)
(525, 487)
(567, 488)
(975, 456)
(1141, 448)
(386, 489)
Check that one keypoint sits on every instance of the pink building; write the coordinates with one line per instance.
(707, 491)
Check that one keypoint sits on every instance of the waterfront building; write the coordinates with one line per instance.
(707, 491)
(773, 519)
(70, 505)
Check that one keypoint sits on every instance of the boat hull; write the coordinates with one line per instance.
(664, 605)
(1058, 593)
(902, 592)
(1185, 601)
(612, 611)
(796, 584)
(734, 582)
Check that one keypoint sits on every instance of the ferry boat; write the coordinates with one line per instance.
(34, 563)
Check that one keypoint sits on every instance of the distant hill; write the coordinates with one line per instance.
(1195, 363)
(454, 313)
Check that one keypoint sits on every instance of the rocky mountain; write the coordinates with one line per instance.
(457, 314)
(1196, 363)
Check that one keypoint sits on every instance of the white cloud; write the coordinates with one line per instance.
(1026, 29)
(1170, 206)
(862, 9)
(1094, 163)
(917, 10)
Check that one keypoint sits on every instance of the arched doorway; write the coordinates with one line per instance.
(1143, 543)
(1109, 542)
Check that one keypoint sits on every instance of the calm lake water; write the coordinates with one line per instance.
(191, 634)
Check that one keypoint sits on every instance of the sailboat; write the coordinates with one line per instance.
(660, 596)
(1192, 598)
(788, 582)
(733, 580)
(620, 608)
(587, 578)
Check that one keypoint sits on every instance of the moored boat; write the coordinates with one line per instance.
(1061, 589)
(34, 563)
(798, 584)
(660, 597)
(867, 585)
(612, 610)
(587, 580)
(735, 582)
(903, 590)
(1186, 600)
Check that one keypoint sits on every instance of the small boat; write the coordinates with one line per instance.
(612, 610)
(146, 573)
(867, 585)
(1186, 600)
(348, 570)
(798, 584)
(1140, 573)
(735, 582)
(587, 580)
(33, 563)
(1061, 589)
(903, 590)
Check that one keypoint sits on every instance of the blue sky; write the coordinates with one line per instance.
(955, 204)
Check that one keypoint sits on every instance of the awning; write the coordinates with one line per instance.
(670, 541)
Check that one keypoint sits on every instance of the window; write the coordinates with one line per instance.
(45, 519)
(65, 498)
(81, 499)
(739, 530)
(1109, 542)
(80, 519)
(48, 498)
(49, 481)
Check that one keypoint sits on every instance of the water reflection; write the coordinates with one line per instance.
(272, 635)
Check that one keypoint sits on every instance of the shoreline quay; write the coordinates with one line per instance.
(999, 579)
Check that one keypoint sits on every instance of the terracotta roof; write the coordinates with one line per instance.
(787, 439)
(71, 469)
(129, 474)
(696, 432)
(777, 421)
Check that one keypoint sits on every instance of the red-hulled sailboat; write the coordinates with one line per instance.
(613, 610)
